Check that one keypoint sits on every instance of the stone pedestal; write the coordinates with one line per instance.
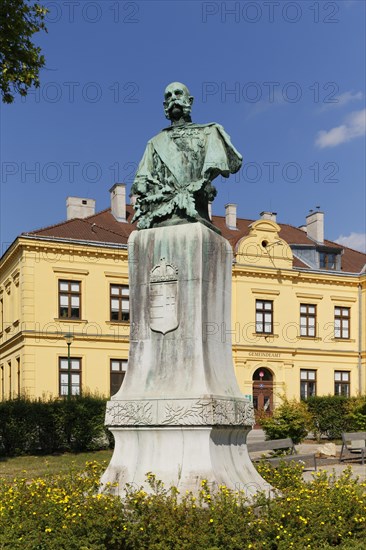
(179, 412)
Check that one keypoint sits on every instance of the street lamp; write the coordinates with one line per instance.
(69, 339)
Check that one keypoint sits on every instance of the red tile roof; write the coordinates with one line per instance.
(104, 228)
(100, 227)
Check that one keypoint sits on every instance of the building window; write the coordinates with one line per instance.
(18, 374)
(10, 380)
(327, 260)
(307, 320)
(342, 383)
(307, 383)
(118, 371)
(69, 299)
(120, 303)
(75, 368)
(341, 322)
(264, 316)
(2, 383)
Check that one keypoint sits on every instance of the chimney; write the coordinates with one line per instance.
(303, 228)
(118, 201)
(269, 216)
(230, 216)
(315, 226)
(77, 207)
(133, 200)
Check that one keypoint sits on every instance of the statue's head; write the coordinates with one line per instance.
(177, 102)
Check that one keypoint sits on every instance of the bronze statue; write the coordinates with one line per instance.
(173, 183)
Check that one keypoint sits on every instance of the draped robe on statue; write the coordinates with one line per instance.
(174, 177)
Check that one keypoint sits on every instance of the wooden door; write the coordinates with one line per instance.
(262, 393)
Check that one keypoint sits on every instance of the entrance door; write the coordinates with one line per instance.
(262, 393)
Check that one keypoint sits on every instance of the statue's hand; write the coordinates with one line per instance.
(210, 191)
(212, 172)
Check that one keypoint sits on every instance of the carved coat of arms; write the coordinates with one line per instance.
(164, 297)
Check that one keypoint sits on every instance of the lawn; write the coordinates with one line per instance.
(31, 467)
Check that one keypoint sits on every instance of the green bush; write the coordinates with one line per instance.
(334, 414)
(357, 415)
(290, 419)
(66, 512)
(18, 427)
(83, 422)
(39, 426)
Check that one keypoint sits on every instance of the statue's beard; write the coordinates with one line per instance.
(186, 109)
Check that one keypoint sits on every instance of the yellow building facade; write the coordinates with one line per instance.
(298, 307)
(325, 356)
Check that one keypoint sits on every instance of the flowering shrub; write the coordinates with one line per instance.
(323, 513)
(58, 512)
(66, 512)
(290, 419)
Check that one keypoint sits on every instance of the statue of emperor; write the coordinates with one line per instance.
(173, 182)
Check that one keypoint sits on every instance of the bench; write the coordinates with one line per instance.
(280, 444)
(353, 446)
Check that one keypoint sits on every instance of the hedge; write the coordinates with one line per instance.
(325, 416)
(56, 425)
(77, 424)
(334, 414)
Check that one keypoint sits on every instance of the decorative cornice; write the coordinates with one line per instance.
(70, 270)
(243, 351)
(15, 274)
(309, 296)
(343, 299)
(265, 291)
(260, 272)
(116, 275)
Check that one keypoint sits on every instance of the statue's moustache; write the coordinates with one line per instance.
(179, 103)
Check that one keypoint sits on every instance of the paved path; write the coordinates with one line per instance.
(255, 436)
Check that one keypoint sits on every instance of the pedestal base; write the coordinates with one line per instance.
(179, 412)
(183, 457)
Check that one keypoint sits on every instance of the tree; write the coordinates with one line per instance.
(20, 59)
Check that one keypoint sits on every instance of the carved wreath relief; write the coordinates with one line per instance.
(180, 412)
(164, 297)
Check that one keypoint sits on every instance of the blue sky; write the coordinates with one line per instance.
(285, 79)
